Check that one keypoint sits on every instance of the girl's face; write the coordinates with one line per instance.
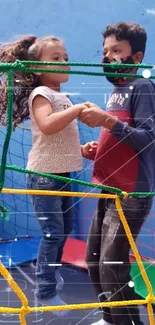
(54, 52)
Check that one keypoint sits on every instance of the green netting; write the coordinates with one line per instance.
(140, 286)
(22, 66)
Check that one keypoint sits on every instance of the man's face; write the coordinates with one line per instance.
(115, 50)
(120, 52)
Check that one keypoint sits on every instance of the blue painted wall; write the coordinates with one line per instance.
(80, 24)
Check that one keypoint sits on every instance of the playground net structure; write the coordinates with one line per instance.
(25, 309)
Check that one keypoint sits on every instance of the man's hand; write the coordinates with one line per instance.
(94, 116)
(89, 150)
(79, 107)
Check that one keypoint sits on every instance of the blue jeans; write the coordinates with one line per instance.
(55, 216)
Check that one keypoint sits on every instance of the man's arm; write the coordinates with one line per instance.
(142, 136)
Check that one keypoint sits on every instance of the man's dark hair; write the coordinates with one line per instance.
(131, 32)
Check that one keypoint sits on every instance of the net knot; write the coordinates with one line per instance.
(18, 65)
(124, 195)
(25, 310)
(150, 298)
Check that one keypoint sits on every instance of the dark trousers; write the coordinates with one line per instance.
(108, 256)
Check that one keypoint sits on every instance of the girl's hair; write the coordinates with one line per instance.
(28, 48)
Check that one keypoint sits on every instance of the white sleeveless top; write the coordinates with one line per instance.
(56, 153)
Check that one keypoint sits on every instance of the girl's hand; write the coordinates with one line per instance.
(89, 150)
(80, 108)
